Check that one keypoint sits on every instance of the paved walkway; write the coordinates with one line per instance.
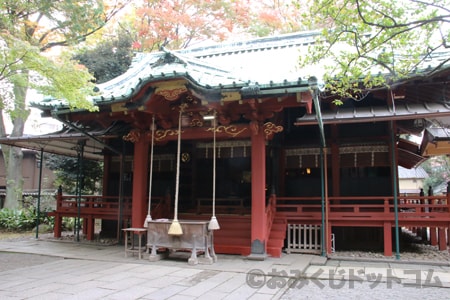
(41, 269)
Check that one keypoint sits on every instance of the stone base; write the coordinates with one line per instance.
(259, 257)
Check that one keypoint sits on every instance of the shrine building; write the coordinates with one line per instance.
(240, 132)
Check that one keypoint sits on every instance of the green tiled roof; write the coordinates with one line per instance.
(266, 63)
(264, 66)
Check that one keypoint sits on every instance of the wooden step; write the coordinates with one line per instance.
(275, 243)
(274, 251)
(231, 234)
(279, 220)
(232, 249)
(241, 241)
(277, 236)
(234, 235)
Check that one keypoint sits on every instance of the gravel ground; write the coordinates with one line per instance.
(423, 252)
(411, 249)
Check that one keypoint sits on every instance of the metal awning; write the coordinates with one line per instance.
(62, 144)
(65, 142)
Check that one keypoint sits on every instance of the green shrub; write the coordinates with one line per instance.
(68, 223)
(25, 219)
(22, 219)
(17, 220)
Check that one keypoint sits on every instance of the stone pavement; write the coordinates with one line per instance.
(86, 271)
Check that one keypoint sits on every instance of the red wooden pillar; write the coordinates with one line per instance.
(57, 227)
(90, 228)
(433, 236)
(442, 239)
(258, 235)
(140, 181)
(387, 239)
(281, 173)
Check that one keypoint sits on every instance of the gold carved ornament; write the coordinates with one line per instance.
(161, 134)
(133, 136)
(171, 94)
(185, 157)
(270, 129)
(230, 130)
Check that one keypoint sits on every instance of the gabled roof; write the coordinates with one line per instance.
(264, 65)
(162, 66)
(257, 67)
(155, 67)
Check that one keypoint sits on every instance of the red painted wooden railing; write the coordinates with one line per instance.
(96, 205)
(90, 208)
(359, 211)
(67, 205)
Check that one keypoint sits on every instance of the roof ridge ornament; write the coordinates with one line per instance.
(169, 57)
(251, 89)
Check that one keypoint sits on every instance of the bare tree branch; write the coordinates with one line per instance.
(83, 37)
(415, 23)
(431, 4)
(5, 74)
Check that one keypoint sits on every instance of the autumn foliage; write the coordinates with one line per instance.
(177, 24)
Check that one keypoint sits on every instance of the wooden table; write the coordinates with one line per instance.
(130, 246)
(195, 238)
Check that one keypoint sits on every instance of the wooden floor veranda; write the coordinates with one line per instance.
(412, 212)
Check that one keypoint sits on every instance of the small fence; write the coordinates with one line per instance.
(303, 238)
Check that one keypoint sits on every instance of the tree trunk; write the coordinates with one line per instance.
(4, 148)
(13, 156)
(14, 179)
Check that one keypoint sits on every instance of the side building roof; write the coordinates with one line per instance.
(413, 173)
